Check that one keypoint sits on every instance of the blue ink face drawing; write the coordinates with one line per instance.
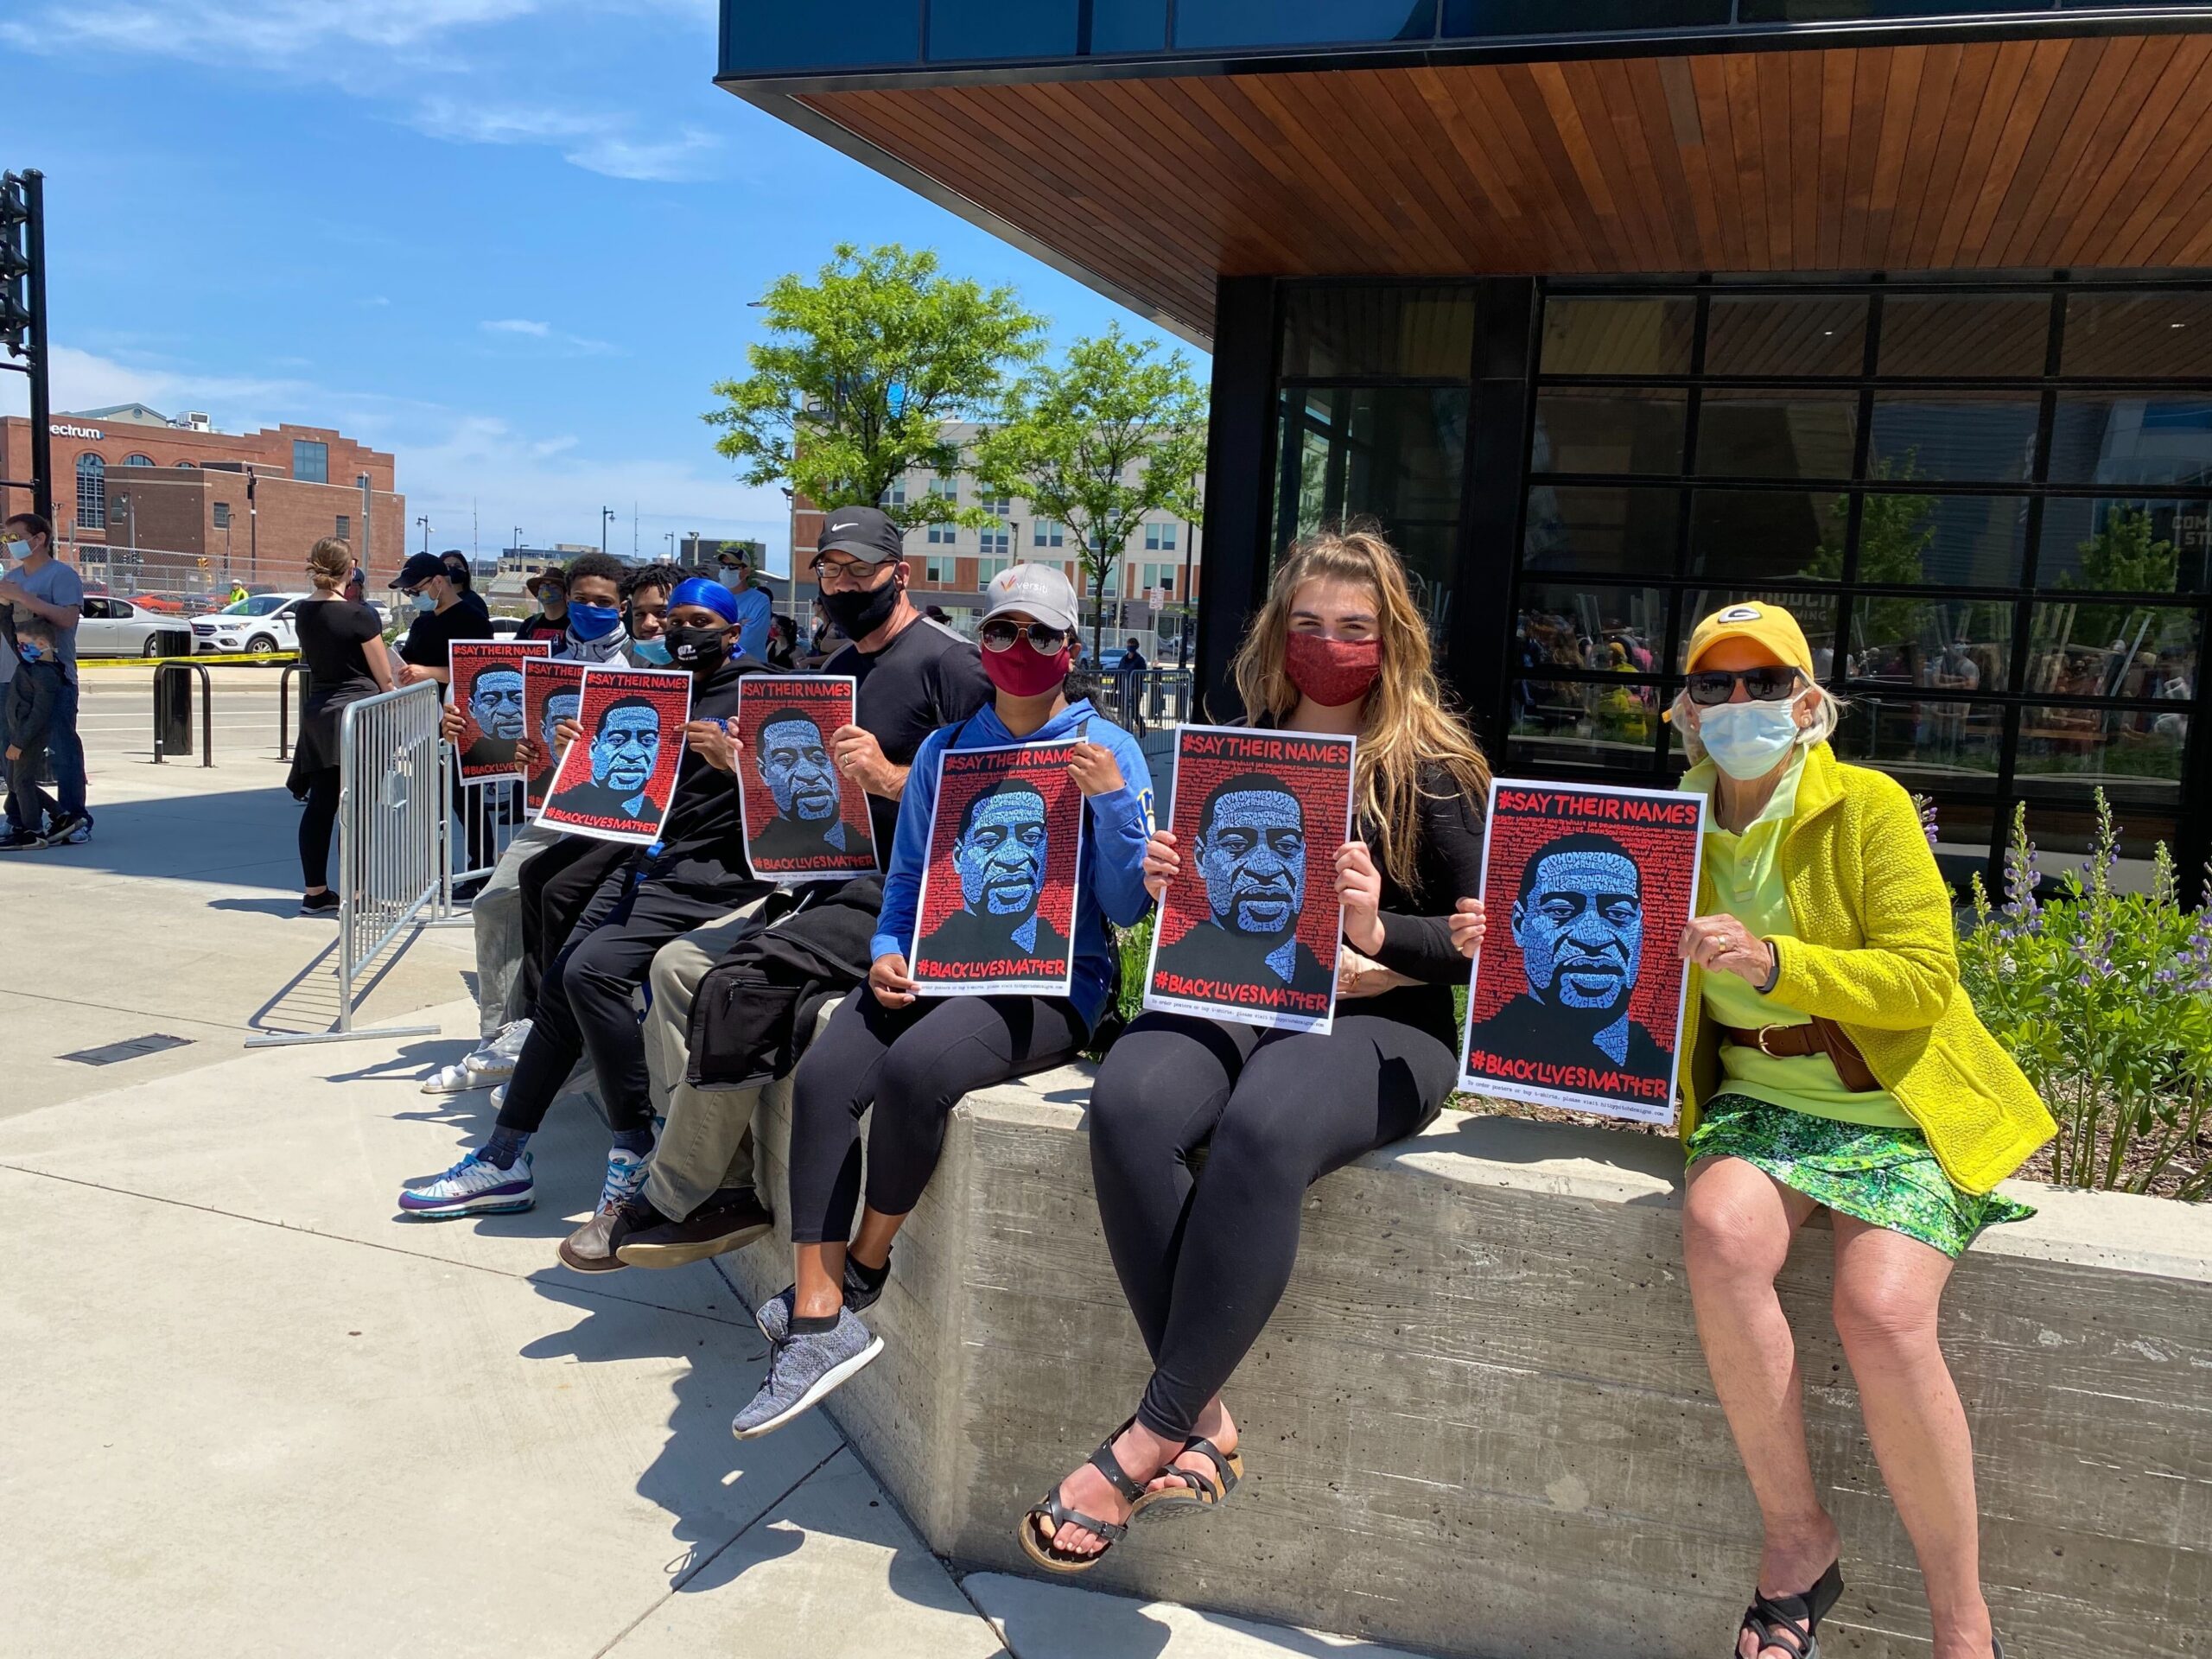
(1580, 929)
(1001, 853)
(1252, 854)
(562, 705)
(795, 764)
(627, 748)
(495, 704)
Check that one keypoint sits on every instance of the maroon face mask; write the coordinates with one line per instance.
(1331, 672)
(1022, 671)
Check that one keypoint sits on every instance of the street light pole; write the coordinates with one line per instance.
(425, 522)
(606, 517)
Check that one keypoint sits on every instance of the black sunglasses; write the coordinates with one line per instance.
(1045, 641)
(1711, 686)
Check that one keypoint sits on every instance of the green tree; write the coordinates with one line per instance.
(1894, 534)
(1115, 431)
(2122, 557)
(859, 372)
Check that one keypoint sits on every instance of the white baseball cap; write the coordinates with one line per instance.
(1036, 590)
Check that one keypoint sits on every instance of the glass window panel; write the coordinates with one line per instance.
(1766, 534)
(1946, 645)
(2133, 754)
(1620, 430)
(2136, 336)
(1966, 335)
(2120, 440)
(1815, 614)
(1827, 11)
(1746, 434)
(1775, 336)
(1578, 725)
(1619, 629)
(1970, 437)
(962, 29)
(1430, 554)
(2120, 546)
(2090, 650)
(1415, 333)
(1463, 17)
(1287, 23)
(762, 39)
(1625, 532)
(1930, 745)
(1953, 541)
(1619, 336)
(1395, 454)
(1129, 25)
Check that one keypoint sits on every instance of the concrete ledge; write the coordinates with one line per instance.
(1480, 1423)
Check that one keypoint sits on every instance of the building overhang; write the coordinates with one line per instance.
(2029, 142)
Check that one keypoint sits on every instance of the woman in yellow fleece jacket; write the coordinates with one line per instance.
(1831, 1060)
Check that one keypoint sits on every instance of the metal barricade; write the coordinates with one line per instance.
(486, 817)
(391, 844)
(1157, 697)
(173, 709)
(292, 671)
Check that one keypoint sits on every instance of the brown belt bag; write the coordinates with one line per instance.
(1821, 1037)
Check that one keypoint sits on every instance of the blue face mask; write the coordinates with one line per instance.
(1749, 740)
(654, 651)
(30, 651)
(593, 621)
(426, 603)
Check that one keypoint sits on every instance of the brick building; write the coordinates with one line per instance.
(150, 504)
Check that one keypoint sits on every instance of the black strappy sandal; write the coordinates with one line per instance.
(1792, 1622)
(1194, 1489)
(1053, 1559)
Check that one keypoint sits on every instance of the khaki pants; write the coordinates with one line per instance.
(496, 915)
(707, 1143)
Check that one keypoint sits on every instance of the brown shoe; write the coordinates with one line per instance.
(732, 1219)
(590, 1248)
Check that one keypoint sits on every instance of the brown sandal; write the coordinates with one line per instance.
(1198, 1491)
(1039, 1548)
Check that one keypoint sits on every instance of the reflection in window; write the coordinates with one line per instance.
(1626, 431)
(2138, 336)
(1948, 644)
(1823, 334)
(1612, 336)
(2124, 547)
(1601, 530)
(2126, 439)
(1965, 336)
(1580, 726)
(1418, 334)
(91, 491)
(1928, 744)
(1777, 434)
(1607, 630)
(310, 460)
(2084, 649)
(1290, 22)
(1756, 534)
(1815, 614)
(1966, 540)
(2129, 753)
(1969, 437)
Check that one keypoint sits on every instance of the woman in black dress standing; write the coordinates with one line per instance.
(341, 642)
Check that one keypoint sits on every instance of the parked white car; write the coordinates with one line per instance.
(119, 627)
(261, 625)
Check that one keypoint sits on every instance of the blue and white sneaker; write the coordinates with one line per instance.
(804, 1371)
(471, 1187)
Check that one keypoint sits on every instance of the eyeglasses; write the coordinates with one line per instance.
(849, 573)
(1711, 686)
(1045, 640)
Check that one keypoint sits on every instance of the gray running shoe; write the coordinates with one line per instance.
(804, 1371)
(775, 1318)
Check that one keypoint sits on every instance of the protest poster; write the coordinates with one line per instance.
(616, 781)
(1249, 928)
(804, 820)
(488, 690)
(1576, 998)
(552, 691)
(997, 907)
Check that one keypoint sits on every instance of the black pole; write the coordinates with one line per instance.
(42, 403)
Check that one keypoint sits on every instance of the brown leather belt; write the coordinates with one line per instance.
(1819, 1037)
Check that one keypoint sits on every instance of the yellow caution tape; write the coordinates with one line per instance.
(212, 660)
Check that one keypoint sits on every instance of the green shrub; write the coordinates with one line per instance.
(2104, 999)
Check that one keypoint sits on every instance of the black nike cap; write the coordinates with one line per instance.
(864, 532)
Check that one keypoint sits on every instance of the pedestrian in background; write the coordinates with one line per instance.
(39, 587)
(463, 578)
(341, 641)
(755, 605)
(443, 615)
(549, 588)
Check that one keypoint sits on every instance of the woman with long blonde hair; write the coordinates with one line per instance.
(1339, 647)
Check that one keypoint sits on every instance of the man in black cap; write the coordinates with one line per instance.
(440, 617)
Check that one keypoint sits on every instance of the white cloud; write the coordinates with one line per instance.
(517, 326)
(82, 379)
(565, 345)
(599, 142)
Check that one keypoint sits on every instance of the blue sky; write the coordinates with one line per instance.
(512, 241)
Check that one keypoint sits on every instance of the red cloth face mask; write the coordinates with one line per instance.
(1022, 671)
(1331, 672)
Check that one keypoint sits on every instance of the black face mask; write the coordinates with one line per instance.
(860, 611)
(701, 650)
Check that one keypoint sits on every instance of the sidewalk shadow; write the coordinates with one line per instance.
(196, 838)
(266, 907)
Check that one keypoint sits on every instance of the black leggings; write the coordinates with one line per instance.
(912, 1064)
(556, 887)
(1204, 1259)
(316, 824)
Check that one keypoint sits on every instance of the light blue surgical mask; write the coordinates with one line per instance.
(19, 548)
(1749, 740)
(653, 652)
(425, 602)
(734, 579)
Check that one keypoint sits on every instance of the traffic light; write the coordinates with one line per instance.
(23, 317)
(16, 210)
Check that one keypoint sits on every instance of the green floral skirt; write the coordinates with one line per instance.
(1886, 1177)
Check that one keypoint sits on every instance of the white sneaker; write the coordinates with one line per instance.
(499, 1096)
(471, 1187)
(508, 1044)
(493, 1062)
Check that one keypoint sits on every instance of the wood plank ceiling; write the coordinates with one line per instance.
(2014, 154)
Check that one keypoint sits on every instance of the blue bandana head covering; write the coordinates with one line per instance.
(702, 590)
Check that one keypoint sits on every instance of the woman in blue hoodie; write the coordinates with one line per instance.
(912, 1058)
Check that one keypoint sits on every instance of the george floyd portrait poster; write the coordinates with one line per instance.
(1249, 928)
(804, 820)
(488, 690)
(552, 691)
(1576, 999)
(997, 907)
(616, 780)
